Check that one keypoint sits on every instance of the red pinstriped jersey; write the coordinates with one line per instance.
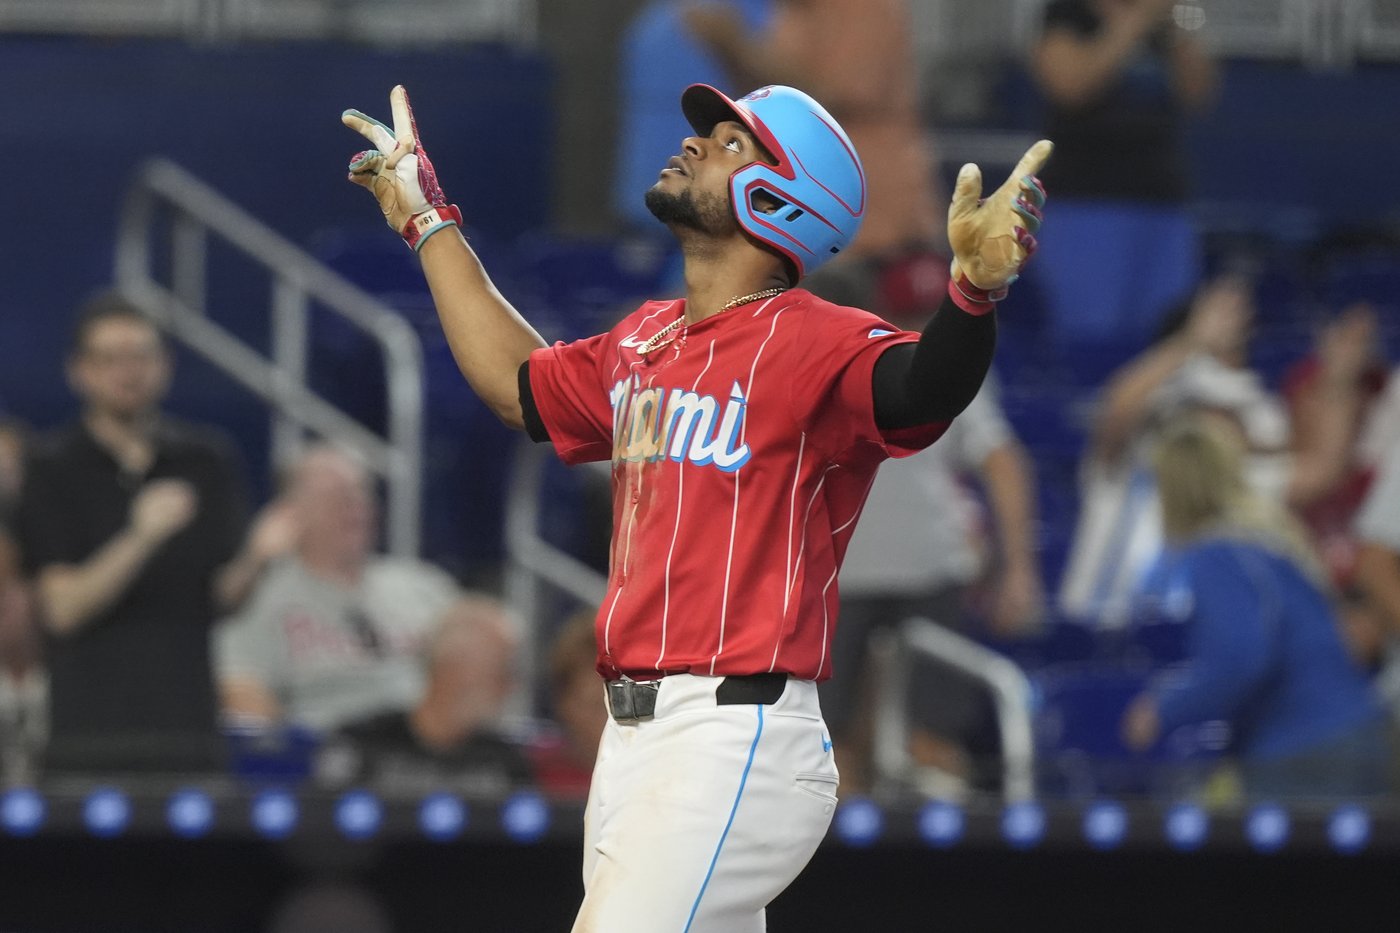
(742, 454)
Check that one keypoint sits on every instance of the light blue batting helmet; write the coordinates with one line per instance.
(818, 177)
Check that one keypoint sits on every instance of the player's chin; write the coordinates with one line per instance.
(663, 189)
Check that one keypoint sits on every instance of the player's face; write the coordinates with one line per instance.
(693, 190)
(122, 369)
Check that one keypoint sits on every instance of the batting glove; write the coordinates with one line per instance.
(403, 181)
(993, 237)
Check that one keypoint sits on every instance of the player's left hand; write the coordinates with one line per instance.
(399, 173)
(993, 237)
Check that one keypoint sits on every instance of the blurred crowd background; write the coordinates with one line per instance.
(257, 529)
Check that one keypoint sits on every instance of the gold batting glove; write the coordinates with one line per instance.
(993, 237)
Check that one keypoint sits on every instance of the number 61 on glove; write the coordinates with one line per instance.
(399, 173)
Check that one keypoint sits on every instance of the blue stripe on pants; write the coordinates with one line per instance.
(748, 766)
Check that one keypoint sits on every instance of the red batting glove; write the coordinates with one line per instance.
(404, 181)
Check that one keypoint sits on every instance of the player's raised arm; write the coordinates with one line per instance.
(992, 238)
(489, 338)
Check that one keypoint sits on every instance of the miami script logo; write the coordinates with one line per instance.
(655, 423)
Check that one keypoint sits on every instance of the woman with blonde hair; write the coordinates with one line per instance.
(1265, 653)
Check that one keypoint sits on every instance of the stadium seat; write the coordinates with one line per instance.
(581, 285)
(1078, 710)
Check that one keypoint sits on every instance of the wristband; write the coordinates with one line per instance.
(421, 226)
(975, 301)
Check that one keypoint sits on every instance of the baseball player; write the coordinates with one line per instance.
(744, 423)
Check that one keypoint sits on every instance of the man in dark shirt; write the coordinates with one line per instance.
(130, 524)
(1119, 79)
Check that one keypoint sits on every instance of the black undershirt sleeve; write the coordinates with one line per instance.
(529, 412)
(935, 379)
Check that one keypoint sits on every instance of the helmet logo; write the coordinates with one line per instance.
(758, 94)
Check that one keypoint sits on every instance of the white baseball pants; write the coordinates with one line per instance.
(702, 815)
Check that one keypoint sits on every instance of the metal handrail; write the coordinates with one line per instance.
(1011, 695)
(531, 560)
(526, 547)
(198, 211)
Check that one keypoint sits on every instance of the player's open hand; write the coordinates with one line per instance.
(399, 172)
(993, 237)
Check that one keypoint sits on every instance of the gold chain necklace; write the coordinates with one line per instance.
(666, 334)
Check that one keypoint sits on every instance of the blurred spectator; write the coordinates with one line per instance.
(24, 684)
(564, 759)
(388, 654)
(130, 523)
(661, 57)
(14, 441)
(1378, 568)
(1199, 362)
(1381, 432)
(857, 57)
(1265, 653)
(1329, 518)
(1119, 77)
(1311, 406)
(921, 550)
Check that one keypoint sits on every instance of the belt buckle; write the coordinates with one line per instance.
(631, 701)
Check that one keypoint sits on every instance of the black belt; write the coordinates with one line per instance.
(631, 701)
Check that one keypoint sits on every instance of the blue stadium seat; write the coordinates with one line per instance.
(1056, 643)
(1155, 641)
(282, 755)
(1078, 710)
(581, 285)
(1371, 275)
(379, 262)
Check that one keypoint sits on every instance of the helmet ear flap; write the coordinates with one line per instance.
(763, 201)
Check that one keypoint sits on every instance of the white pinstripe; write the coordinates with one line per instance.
(621, 571)
(728, 568)
(734, 518)
(826, 614)
(801, 550)
(627, 547)
(826, 622)
(675, 531)
(792, 518)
